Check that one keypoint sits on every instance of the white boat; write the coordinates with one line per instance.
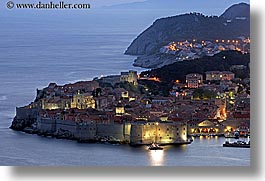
(155, 146)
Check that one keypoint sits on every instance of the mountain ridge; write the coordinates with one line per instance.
(191, 26)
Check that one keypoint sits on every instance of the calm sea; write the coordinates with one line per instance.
(38, 47)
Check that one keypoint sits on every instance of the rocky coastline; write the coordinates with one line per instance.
(29, 126)
(153, 61)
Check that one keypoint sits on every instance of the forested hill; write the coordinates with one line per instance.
(219, 62)
(234, 22)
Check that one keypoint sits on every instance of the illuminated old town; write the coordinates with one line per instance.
(127, 83)
(127, 112)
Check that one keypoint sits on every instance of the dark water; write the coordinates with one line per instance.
(33, 150)
(38, 48)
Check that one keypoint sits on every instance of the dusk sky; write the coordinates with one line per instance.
(97, 3)
(222, 4)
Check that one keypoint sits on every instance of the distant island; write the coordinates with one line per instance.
(191, 36)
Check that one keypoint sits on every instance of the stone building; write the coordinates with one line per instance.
(83, 101)
(55, 103)
(158, 132)
(130, 77)
(217, 75)
(205, 127)
(194, 80)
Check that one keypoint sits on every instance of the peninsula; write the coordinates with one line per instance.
(139, 109)
(191, 36)
(200, 87)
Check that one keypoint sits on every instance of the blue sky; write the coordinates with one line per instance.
(98, 3)
(207, 7)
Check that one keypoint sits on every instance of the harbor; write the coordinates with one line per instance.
(204, 151)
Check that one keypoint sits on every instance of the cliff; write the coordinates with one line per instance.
(233, 23)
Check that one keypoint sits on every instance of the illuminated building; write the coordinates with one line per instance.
(55, 103)
(119, 110)
(205, 127)
(194, 80)
(83, 101)
(158, 132)
(217, 75)
(130, 77)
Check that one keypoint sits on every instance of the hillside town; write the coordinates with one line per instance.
(121, 108)
(189, 50)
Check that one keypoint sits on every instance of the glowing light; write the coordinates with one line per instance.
(156, 79)
(157, 157)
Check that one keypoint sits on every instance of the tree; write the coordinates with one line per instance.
(203, 94)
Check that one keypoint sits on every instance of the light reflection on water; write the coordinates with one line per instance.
(160, 157)
(81, 52)
(207, 138)
(156, 157)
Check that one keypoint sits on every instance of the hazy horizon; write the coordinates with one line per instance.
(214, 7)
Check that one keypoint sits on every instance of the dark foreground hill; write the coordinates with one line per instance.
(220, 62)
